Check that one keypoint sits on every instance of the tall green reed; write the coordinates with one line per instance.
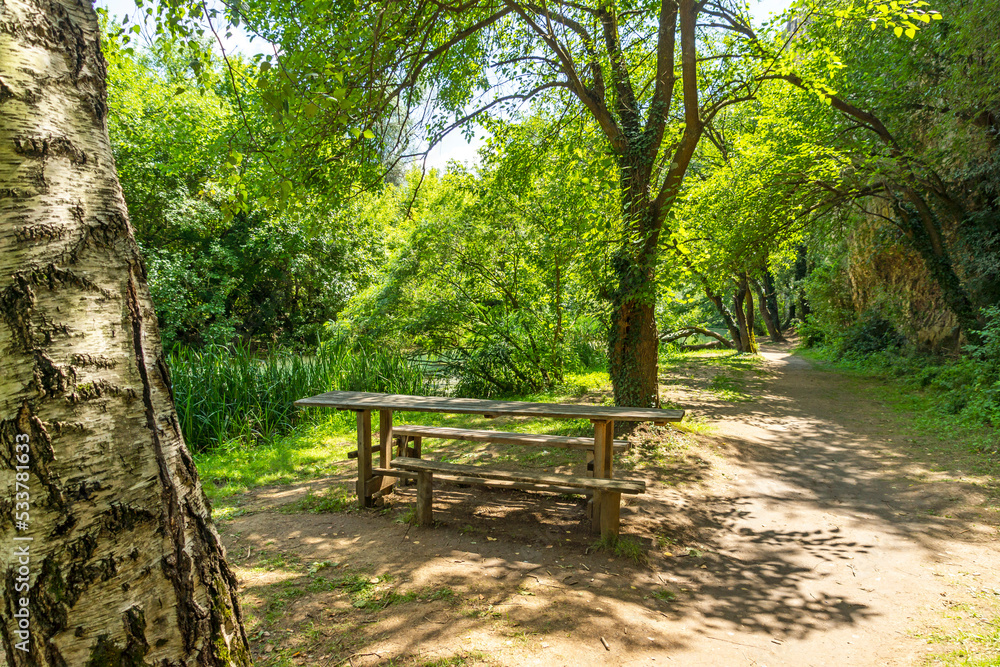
(225, 394)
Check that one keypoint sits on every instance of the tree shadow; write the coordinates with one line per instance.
(763, 557)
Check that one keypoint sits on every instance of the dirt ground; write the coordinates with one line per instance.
(810, 526)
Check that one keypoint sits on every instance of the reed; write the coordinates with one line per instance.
(234, 394)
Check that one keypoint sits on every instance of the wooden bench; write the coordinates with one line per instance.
(405, 434)
(609, 490)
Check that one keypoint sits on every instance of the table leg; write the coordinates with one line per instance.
(384, 438)
(604, 434)
(364, 457)
(611, 502)
(385, 453)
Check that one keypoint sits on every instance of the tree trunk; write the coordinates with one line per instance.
(743, 308)
(751, 346)
(801, 271)
(557, 334)
(734, 331)
(765, 314)
(633, 345)
(771, 299)
(125, 567)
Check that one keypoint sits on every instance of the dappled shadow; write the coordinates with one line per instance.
(538, 576)
(823, 518)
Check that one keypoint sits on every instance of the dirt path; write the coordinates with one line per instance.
(803, 531)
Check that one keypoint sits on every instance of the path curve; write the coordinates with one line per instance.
(837, 546)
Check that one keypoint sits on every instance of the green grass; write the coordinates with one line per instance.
(734, 378)
(728, 389)
(310, 451)
(972, 633)
(336, 499)
(622, 547)
(729, 359)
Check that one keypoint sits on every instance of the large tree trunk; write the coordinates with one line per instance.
(633, 345)
(125, 566)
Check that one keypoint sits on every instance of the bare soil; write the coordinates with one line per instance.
(810, 526)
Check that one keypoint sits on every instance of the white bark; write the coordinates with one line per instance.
(126, 568)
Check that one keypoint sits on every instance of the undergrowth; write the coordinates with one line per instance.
(225, 394)
(964, 391)
(966, 388)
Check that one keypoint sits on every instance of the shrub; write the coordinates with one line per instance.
(870, 334)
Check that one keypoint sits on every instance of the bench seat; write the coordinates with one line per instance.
(502, 437)
(608, 490)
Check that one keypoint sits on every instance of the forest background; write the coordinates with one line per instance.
(845, 190)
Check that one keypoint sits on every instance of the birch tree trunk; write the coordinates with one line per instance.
(125, 567)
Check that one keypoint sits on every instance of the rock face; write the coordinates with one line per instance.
(885, 274)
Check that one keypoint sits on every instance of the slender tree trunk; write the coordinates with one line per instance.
(557, 335)
(748, 310)
(744, 309)
(765, 314)
(125, 566)
(734, 331)
(801, 271)
(742, 337)
(771, 299)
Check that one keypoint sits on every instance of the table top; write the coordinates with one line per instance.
(361, 400)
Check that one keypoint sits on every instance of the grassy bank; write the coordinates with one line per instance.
(926, 391)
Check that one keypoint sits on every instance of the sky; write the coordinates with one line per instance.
(454, 146)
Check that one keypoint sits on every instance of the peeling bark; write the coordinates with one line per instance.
(126, 567)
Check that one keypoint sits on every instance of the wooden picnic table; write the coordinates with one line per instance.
(376, 482)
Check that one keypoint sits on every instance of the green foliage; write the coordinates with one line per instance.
(225, 394)
(492, 277)
(871, 333)
(828, 292)
(183, 153)
(664, 595)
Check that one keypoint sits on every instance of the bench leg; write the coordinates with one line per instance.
(610, 513)
(425, 494)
